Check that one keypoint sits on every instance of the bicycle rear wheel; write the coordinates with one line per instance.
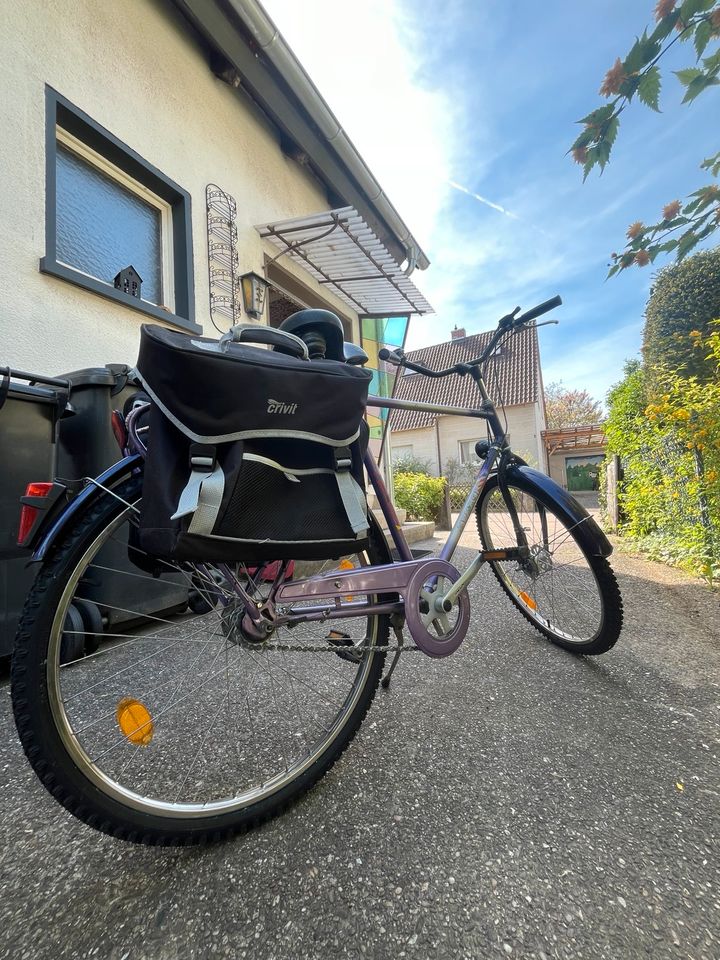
(174, 730)
(568, 594)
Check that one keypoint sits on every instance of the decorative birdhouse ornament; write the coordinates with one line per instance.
(129, 281)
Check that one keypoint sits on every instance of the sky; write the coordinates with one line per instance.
(464, 112)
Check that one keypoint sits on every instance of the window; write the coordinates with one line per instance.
(467, 451)
(402, 453)
(106, 210)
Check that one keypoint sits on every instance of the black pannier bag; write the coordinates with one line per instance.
(253, 455)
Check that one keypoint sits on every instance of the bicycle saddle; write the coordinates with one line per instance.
(321, 330)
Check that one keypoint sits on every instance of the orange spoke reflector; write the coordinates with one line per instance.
(527, 600)
(135, 721)
(346, 564)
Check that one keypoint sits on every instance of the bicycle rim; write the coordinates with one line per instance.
(172, 716)
(557, 587)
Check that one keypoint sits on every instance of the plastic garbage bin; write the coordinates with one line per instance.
(29, 421)
(62, 430)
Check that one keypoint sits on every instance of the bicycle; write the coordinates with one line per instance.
(215, 714)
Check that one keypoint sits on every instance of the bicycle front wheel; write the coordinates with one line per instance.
(569, 595)
(171, 729)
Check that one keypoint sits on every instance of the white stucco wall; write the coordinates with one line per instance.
(135, 69)
(523, 427)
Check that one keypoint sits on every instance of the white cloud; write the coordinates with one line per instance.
(360, 58)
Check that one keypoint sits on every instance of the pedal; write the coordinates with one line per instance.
(343, 641)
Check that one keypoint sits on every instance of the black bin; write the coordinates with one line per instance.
(62, 430)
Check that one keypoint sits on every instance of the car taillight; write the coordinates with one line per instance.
(28, 512)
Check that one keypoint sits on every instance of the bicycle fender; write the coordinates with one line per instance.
(79, 504)
(572, 513)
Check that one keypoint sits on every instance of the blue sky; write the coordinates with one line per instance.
(484, 96)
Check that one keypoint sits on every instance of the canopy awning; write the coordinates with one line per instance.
(341, 252)
(574, 438)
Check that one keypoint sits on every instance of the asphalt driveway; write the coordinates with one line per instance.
(511, 800)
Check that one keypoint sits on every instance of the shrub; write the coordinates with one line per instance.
(685, 297)
(670, 450)
(412, 465)
(419, 494)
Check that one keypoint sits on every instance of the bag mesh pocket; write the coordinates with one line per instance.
(266, 504)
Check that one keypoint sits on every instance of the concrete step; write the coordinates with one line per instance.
(380, 516)
(418, 530)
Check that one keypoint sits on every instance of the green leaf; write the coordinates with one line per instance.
(686, 243)
(702, 37)
(712, 63)
(589, 163)
(649, 88)
(690, 7)
(697, 86)
(609, 132)
(585, 139)
(712, 164)
(686, 77)
(599, 116)
(642, 52)
(665, 26)
(629, 86)
(602, 151)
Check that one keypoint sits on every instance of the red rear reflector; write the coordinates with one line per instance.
(28, 513)
(117, 421)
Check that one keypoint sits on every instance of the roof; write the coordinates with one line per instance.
(574, 438)
(342, 253)
(511, 376)
(249, 53)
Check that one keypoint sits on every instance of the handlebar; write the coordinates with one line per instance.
(507, 323)
(538, 311)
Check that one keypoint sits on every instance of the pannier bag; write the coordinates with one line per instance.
(253, 455)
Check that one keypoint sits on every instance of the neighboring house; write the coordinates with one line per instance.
(513, 378)
(575, 455)
(152, 153)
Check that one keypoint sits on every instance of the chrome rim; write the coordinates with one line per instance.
(556, 588)
(229, 724)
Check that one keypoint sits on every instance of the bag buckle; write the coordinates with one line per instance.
(202, 458)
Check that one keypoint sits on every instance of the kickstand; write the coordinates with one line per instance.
(397, 625)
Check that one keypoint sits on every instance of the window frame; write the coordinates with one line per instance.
(93, 143)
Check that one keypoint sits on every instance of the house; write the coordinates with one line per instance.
(156, 152)
(514, 381)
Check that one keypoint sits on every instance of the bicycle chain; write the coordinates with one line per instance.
(291, 648)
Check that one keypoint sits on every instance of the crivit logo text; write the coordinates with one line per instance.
(277, 406)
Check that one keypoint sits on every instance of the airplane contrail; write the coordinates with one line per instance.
(488, 203)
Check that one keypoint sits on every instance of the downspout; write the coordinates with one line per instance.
(270, 41)
(437, 443)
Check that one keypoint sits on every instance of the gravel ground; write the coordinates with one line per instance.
(511, 800)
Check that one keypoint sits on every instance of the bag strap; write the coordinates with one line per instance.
(203, 493)
(351, 493)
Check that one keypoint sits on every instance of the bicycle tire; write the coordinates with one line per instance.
(44, 739)
(540, 607)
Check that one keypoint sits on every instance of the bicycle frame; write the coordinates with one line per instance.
(400, 576)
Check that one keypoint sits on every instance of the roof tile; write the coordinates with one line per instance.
(511, 376)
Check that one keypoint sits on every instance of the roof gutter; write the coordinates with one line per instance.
(279, 54)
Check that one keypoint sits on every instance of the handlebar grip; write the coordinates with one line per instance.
(538, 311)
(391, 356)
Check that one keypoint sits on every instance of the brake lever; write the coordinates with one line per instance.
(545, 323)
